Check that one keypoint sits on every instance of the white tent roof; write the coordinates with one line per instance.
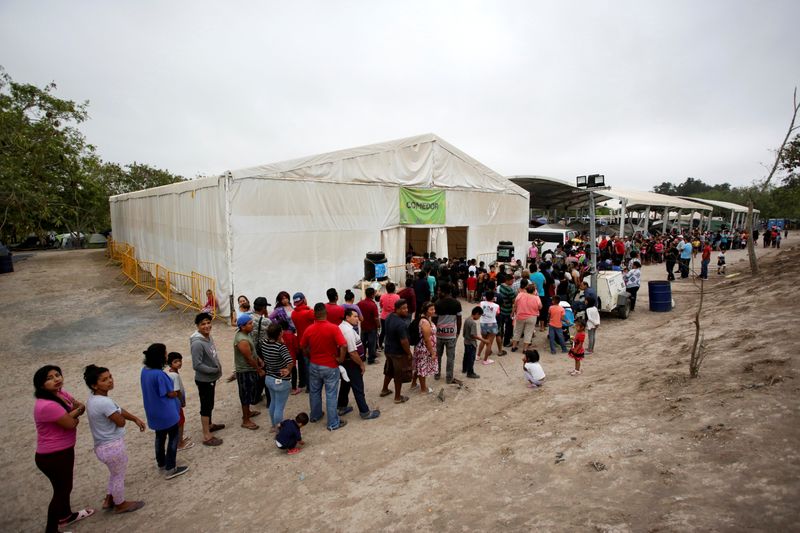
(420, 161)
(730, 206)
(554, 193)
(636, 199)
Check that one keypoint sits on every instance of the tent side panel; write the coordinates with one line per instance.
(181, 230)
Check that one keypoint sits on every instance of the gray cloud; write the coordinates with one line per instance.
(642, 91)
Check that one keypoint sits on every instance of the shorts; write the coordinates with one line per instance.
(397, 367)
(205, 391)
(248, 387)
(489, 329)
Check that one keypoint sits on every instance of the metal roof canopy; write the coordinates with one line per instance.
(642, 199)
(729, 206)
(553, 193)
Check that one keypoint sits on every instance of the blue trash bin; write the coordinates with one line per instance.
(660, 293)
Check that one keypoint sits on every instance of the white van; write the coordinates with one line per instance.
(552, 235)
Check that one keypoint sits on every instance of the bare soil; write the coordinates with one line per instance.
(631, 445)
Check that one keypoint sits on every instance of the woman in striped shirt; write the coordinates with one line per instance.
(278, 365)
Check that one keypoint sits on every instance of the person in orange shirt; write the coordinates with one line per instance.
(554, 323)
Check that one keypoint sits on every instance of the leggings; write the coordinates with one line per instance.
(113, 455)
(58, 467)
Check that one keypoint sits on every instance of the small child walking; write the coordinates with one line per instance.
(174, 364)
(472, 336)
(289, 437)
(721, 262)
(488, 321)
(555, 333)
(472, 286)
(592, 322)
(534, 373)
(576, 352)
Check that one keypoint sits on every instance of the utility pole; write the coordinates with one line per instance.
(590, 184)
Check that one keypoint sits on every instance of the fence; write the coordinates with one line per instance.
(179, 290)
(488, 258)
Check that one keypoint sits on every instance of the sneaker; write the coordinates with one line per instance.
(488, 362)
(370, 414)
(313, 420)
(177, 471)
(342, 423)
(344, 410)
(473, 376)
(514, 349)
(343, 372)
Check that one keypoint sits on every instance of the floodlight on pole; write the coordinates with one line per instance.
(581, 181)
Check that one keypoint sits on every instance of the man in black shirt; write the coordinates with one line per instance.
(397, 367)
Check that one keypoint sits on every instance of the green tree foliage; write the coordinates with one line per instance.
(50, 177)
(775, 202)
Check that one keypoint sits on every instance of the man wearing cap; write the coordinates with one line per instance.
(326, 348)
(303, 317)
(248, 370)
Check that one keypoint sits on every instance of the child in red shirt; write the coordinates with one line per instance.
(472, 286)
(576, 352)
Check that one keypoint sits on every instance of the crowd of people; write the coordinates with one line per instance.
(296, 348)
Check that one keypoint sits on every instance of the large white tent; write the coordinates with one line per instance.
(307, 224)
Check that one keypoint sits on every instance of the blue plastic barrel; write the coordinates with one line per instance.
(660, 293)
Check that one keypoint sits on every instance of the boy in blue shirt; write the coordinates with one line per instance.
(289, 437)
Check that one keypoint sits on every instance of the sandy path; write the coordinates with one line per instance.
(717, 453)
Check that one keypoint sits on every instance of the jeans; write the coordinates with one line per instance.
(683, 265)
(632, 296)
(559, 336)
(357, 384)
(279, 394)
(670, 266)
(382, 336)
(58, 467)
(468, 365)
(329, 377)
(370, 341)
(450, 345)
(302, 362)
(167, 460)
(505, 328)
(704, 268)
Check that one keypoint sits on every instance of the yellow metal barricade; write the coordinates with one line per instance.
(129, 268)
(145, 276)
(202, 286)
(179, 293)
(160, 283)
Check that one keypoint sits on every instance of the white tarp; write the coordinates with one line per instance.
(306, 225)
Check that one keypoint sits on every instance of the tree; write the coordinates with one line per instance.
(50, 176)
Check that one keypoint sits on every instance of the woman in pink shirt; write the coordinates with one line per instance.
(56, 414)
(526, 310)
(387, 301)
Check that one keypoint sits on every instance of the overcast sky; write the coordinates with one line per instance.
(642, 91)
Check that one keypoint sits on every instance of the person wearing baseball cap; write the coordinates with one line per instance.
(248, 370)
(303, 317)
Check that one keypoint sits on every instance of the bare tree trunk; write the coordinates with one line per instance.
(751, 245)
(698, 353)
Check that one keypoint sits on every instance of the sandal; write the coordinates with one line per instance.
(213, 441)
(251, 425)
(254, 413)
(186, 446)
(135, 506)
(80, 515)
(216, 427)
(403, 399)
(108, 503)
(385, 393)
(293, 451)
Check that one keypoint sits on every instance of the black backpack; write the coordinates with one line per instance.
(413, 333)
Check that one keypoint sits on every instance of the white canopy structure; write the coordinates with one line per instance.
(630, 200)
(306, 225)
(738, 212)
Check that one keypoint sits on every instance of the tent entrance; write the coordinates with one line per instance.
(443, 241)
(457, 241)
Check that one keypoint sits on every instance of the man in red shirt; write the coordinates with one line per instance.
(326, 348)
(706, 258)
(302, 316)
(369, 324)
(409, 295)
(334, 310)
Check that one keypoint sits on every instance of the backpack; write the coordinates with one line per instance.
(413, 333)
(569, 318)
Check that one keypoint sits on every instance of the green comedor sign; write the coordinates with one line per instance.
(422, 206)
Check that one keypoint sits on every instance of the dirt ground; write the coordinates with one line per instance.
(645, 448)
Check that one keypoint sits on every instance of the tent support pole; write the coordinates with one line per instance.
(623, 205)
(664, 219)
(229, 243)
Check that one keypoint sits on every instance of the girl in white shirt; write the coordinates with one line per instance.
(592, 322)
